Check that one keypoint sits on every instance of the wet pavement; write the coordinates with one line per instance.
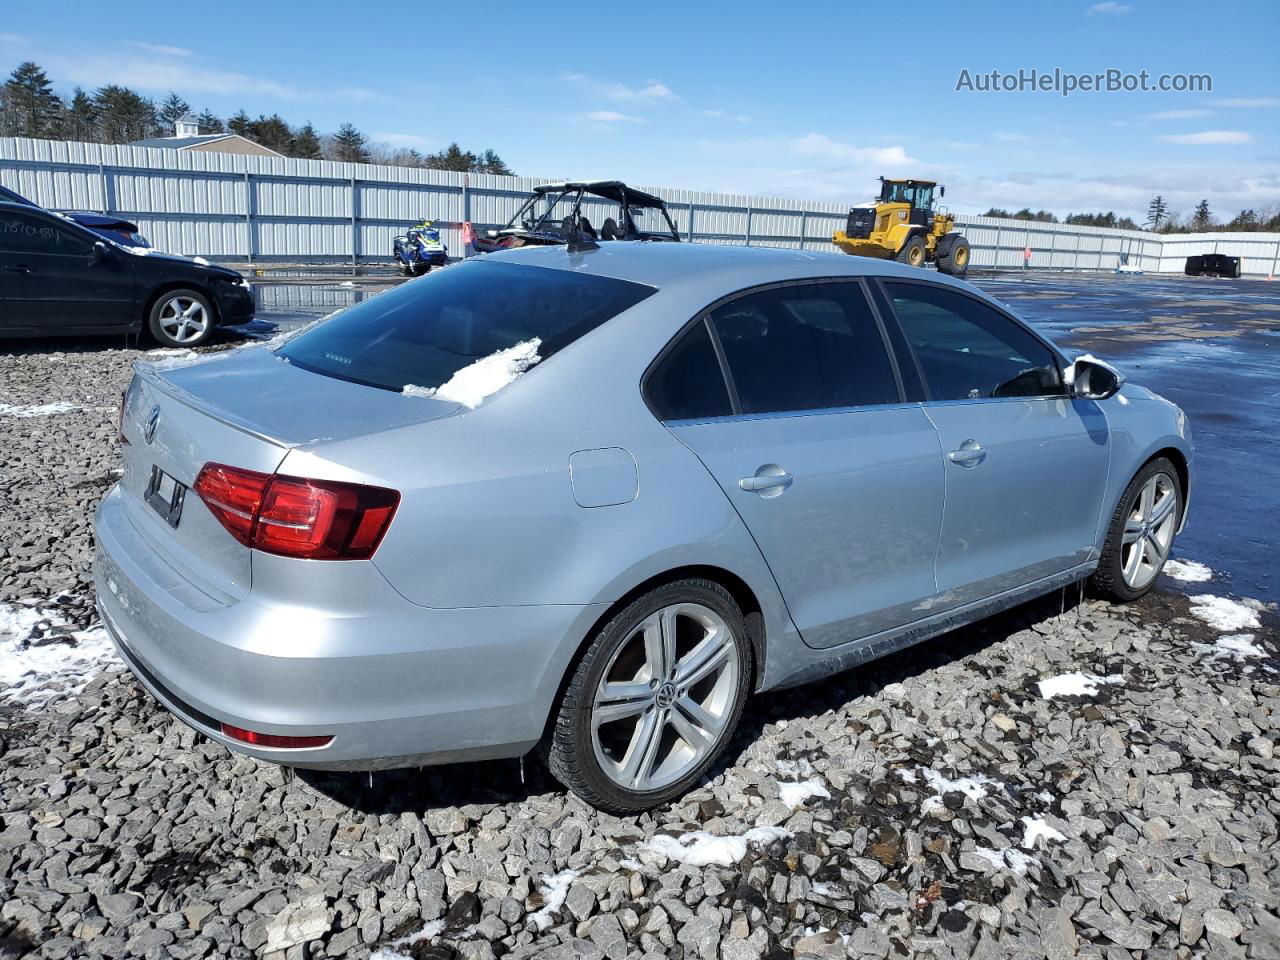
(1210, 345)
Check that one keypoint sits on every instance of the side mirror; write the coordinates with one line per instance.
(1094, 380)
(100, 251)
(942, 191)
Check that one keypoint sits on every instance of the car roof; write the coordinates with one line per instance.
(666, 265)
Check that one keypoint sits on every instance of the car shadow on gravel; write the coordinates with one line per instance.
(509, 781)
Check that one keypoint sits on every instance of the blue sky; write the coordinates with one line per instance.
(810, 100)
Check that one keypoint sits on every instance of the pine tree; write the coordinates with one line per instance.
(452, 157)
(240, 124)
(123, 115)
(173, 109)
(490, 162)
(1157, 212)
(32, 109)
(1202, 219)
(210, 122)
(349, 145)
(272, 132)
(80, 122)
(306, 143)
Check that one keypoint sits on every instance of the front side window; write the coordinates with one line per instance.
(29, 233)
(967, 350)
(423, 332)
(806, 346)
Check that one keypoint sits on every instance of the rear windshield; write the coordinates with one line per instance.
(423, 332)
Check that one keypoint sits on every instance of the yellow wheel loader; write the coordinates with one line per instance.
(903, 225)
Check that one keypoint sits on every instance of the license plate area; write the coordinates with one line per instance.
(165, 494)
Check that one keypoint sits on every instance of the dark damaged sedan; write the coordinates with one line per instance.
(59, 278)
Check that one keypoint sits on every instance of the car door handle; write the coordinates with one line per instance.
(762, 482)
(20, 268)
(969, 454)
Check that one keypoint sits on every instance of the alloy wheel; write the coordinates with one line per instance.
(184, 319)
(666, 697)
(1148, 531)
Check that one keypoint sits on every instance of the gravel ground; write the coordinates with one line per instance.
(942, 802)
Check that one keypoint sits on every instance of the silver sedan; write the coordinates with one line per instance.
(589, 501)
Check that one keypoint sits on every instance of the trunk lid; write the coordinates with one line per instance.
(244, 408)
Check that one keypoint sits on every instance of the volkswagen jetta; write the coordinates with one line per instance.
(590, 501)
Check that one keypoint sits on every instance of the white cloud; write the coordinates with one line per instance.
(610, 116)
(13, 38)
(149, 73)
(1009, 136)
(740, 117)
(1210, 137)
(403, 140)
(1179, 114)
(1110, 6)
(650, 91)
(163, 49)
(1249, 102)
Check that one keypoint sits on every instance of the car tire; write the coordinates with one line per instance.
(1121, 577)
(616, 739)
(181, 318)
(913, 252)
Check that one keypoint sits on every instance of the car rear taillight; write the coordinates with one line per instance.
(295, 516)
(274, 739)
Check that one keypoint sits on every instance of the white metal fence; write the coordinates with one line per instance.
(266, 208)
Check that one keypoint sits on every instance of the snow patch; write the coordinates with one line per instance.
(1076, 684)
(40, 655)
(794, 794)
(974, 787)
(477, 381)
(1235, 646)
(1223, 613)
(698, 849)
(174, 360)
(555, 890)
(395, 950)
(1034, 828)
(1012, 859)
(37, 410)
(1188, 571)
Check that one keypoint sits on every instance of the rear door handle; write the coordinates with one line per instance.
(766, 483)
(969, 454)
(20, 268)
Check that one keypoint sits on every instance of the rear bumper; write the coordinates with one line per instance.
(393, 683)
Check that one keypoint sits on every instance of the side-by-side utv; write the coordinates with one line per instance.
(582, 211)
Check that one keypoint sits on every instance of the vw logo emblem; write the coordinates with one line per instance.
(666, 694)
(153, 418)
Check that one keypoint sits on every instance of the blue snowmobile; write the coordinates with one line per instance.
(419, 249)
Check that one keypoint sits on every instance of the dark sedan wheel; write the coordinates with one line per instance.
(655, 698)
(181, 318)
(1141, 533)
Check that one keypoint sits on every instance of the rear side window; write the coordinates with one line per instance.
(805, 347)
(425, 331)
(687, 383)
(967, 350)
